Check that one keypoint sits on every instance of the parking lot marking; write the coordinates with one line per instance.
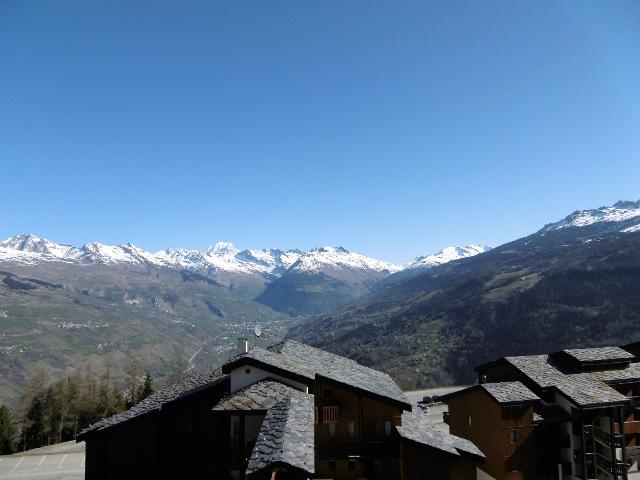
(19, 462)
(43, 457)
(60, 464)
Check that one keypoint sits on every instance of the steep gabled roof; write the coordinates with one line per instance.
(157, 400)
(306, 362)
(599, 354)
(584, 389)
(509, 393)
(504, 393)
(259, 396)
(286, 436)
(418, 428)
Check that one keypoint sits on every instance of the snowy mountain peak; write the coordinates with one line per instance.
(31, 244)
(223, 248)
(447, 254)
(623, 216)
(339, 258)
(221, 257)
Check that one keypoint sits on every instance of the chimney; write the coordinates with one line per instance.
(243, 346)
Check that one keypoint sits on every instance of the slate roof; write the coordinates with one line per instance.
(508, 393)
(155, 401)
(417, 427)
(286, 435)
(599, 354)
(309, 362)
(258, 396)
(629, 374)
(584, 389)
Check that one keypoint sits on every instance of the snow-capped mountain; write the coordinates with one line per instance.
(446, 255)
(222, 257)
(319, 259)
(622, 217)
(30, 249)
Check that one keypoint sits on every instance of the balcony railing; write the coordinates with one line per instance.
(605, 464)
(604, 438)
(630, 427)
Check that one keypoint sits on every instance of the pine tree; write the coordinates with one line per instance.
(147, 387)
(134, 371)
(7, 432)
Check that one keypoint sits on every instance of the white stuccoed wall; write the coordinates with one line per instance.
(241, 379)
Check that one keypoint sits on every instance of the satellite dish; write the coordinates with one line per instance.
(257, 330)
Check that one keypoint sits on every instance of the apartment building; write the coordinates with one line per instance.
(572, 414)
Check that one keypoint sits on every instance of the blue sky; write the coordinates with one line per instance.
(391, 128)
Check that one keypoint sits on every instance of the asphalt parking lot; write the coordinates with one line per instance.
(63, 461)
(434, 410)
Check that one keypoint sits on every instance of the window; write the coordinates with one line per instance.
(332, 430)
(351, 429)
(513, 466)
(351, 466)
(332, 466)
(387, 428)
(469, 420)
(247, 370)
(330, 414)
(513, 436)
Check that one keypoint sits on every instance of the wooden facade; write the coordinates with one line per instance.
(419, 462)
(505, 434)
(354, 434)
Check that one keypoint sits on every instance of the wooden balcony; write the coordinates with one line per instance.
(630, 427)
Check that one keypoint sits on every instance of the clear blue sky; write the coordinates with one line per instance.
(393, 128)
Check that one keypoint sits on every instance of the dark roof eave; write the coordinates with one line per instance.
(512, 403)
(281, 464)
(83, 435)
(461, 452)
(588, 406)
(376, 396)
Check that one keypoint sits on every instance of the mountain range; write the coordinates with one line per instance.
(573, 283)
(98, 304)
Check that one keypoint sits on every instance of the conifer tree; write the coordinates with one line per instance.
(147, 387)
(7, 432)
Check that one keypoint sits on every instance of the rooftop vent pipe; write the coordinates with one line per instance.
(243, 346)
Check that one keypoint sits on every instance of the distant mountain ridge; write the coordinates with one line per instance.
(30, 249)
(446, 255)
(62, 305)
(623, 217)
(572, 283)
